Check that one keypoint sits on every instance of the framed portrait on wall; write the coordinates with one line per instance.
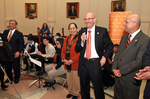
(73, 10)
(31, 10)
(118, 6)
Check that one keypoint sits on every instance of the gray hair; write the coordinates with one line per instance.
(14, 21)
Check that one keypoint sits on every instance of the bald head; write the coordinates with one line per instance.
(89, 20)
(135, 18)
(132, 23)
(90, 14)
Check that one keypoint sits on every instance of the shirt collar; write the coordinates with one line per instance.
(135, 33)
(91, 29)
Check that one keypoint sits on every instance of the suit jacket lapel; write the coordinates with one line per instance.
(96, 36)
(134, 41)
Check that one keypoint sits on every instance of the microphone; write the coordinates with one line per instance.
(85, 33)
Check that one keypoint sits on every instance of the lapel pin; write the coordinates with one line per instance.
(135, 40)
(97, 32)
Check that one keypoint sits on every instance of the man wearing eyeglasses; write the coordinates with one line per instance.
(128, 59)
(91, 41)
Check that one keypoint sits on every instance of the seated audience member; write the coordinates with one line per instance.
(112, 56)
(32, 48)
(6, 56)
(58, 35)
(51, 40)
(49, 52)
(53, 70)
(44, 30)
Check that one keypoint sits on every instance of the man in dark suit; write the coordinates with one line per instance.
(72, 11)
(145, 73)
(128, 59)
(15, 39)
(91, 43)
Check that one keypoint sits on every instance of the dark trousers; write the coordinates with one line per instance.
(26, 62)
(42, 60)
(147, 90)
(122, 92)
(15, 65)
(2, 75)
(91, 71)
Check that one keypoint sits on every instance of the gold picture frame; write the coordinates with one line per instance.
(73, 10)
(118, 6)
(31, 10)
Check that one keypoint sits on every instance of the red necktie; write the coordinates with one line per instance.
(128, 41)
(88, 45)
(10, 35)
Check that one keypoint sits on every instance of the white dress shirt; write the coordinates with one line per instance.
(134, 34)
(93, 50)
(12, 33)
(35, 45)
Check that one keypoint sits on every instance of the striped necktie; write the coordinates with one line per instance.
(128, 41)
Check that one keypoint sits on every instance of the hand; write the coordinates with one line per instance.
(143, 76)
(17, 54)
(146, 69)
(38, 53)
(53, 67)
(70, 61)
(45, 32)
(83, 38)
(117, 73)
(102, 61)
(66, 62)
(25, 54)
(110, 61)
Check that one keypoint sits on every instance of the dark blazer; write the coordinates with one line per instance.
(146, 62)
(101, 38)
(129, 60)
(71, 14)
(16, 40)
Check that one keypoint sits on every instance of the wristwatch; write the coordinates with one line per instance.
(62, 60)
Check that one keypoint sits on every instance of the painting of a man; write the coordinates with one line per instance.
(72, 11)
(118, 6)
(31, 10)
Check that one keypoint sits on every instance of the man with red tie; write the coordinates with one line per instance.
(91, 41)
(128, 59)
(15, 39)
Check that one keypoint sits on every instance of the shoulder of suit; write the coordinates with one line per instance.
(100, 27)
(143, 35)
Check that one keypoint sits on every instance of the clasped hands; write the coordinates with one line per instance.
(68, 62)
(117, 72)
(143, 74)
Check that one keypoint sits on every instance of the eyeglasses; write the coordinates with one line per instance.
(57, 43)
(126, 22)
(87, 19)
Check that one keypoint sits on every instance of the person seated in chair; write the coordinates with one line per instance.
(55, 70)
(32, 48)
(49, 52)
(6, 56)
(112, 56)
